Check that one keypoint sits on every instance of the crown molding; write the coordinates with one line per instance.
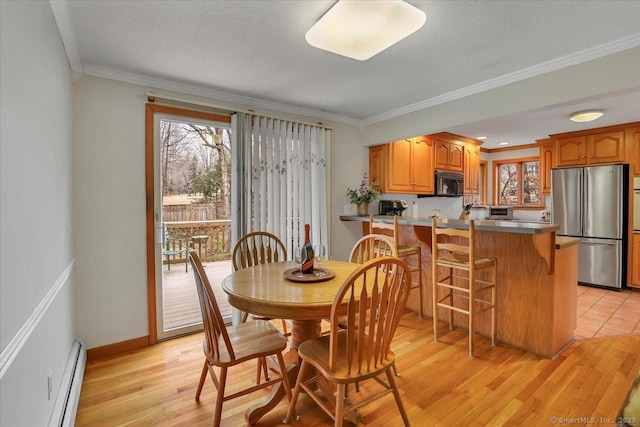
(204, 92)
(534, 71)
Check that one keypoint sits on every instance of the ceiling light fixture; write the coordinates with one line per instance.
(362, 29)
(481, 138)
(586, 116)
(503, 143)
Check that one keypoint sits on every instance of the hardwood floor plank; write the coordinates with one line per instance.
(440, 384)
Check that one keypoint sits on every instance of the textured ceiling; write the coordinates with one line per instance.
(257, 50)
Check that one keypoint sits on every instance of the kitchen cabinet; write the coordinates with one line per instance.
(635, 265)
(410, 166)
(635, 140)
(378, 167)
(448, 155)
(590, 149)
(546, 162)
(471, 169)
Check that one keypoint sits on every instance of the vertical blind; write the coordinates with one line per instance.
(280, 173)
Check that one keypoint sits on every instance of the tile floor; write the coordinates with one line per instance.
(604, 313)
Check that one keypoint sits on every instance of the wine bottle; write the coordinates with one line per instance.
(307, 252)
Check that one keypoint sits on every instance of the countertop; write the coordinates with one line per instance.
(518, 227)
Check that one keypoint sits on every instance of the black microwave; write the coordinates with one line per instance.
(449, 184)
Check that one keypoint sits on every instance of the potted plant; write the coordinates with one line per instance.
(363, 195)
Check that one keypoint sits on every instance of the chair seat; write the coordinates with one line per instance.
(407, 250)
(462, 260)
(248, 340)
(316, 352)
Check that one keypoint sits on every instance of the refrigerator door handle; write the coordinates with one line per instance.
(589, 242)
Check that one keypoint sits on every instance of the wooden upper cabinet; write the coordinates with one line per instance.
(409, 166)
(378, 166)
(423, 175)
(546, 162)
(399, 164)
(597, 148)
(448, 155)
(471, 169)
(635, 140)
(605, 147)
(571, 151)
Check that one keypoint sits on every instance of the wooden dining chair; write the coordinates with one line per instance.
(411, 254)
(463, 291)
(226, 346)
(259, 247)
(372, 246)
(373, 298)
(368, 247)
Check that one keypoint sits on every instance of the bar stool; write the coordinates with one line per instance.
(460, 255)
(404, 252)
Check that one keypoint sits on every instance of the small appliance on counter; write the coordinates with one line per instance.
(500, 213)
(392, 207)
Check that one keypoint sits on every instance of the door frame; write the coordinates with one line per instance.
(151, 109)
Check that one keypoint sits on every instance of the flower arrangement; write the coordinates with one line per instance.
(366, 193)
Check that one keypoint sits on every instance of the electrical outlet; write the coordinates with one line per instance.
(49, 385)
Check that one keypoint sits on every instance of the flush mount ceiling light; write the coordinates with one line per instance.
(586, 116)
(361, 29)
(481, 138)
(503, 143)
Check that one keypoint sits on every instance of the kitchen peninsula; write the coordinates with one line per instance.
(537, 278)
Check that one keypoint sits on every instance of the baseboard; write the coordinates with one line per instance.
(119, 347)
(66, 404)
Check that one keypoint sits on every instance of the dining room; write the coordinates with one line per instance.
(74, 223)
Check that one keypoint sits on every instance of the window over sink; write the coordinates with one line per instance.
(517, 183)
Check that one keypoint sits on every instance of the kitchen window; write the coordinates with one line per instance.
(517, 182)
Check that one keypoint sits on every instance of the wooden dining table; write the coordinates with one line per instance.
(263, 290)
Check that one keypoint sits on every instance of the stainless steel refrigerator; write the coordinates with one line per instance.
(590, 203)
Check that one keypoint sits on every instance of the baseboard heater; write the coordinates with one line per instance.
(66, 406)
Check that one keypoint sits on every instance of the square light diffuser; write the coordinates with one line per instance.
(360, 29)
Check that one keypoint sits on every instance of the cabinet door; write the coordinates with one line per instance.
(571, 151)
(635, 273)
(605, 147)
(422, 166)
(455, 157)
(636, 151)
(471, 169)
(546, 161)
(399, 178)
(378, 167)
(441, 154)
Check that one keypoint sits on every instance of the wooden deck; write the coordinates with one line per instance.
(180, 305)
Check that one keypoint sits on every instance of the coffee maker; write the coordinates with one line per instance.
(392, 207)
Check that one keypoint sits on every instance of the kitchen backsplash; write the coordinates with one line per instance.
(450, 207)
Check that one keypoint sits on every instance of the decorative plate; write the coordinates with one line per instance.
(318, 275)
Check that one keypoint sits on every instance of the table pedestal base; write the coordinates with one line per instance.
(302, 330)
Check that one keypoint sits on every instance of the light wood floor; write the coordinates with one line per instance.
(440, 384)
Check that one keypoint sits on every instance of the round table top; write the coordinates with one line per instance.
(263, 290)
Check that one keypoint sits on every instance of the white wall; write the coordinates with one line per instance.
(36, 278)
(109, 209)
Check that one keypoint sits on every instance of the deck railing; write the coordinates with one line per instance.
(211, 239)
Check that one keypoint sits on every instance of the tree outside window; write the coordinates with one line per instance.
(518, 182)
